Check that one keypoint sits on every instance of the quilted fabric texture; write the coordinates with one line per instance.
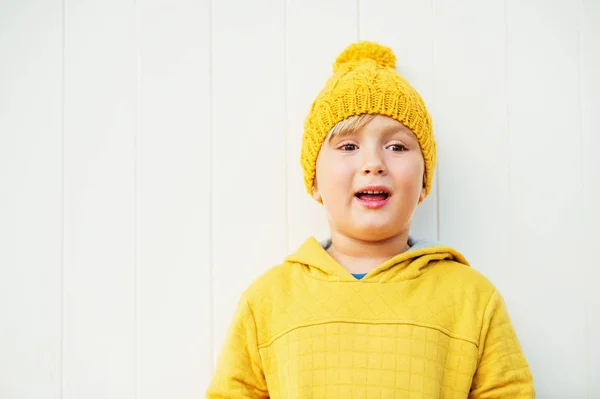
(422, 325)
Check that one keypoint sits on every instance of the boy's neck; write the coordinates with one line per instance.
(359, 256)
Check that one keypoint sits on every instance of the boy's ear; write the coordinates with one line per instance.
(422, 195)
(316, 194)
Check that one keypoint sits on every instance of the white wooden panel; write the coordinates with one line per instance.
(248, 152)
(99, 156)
(590, 86)
(316, 31)
(379, 21)
(30, 199)
(546, 192)
(173, 219)
(473, 142)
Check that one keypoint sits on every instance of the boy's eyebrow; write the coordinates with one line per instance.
(346, 133)
(340, 135)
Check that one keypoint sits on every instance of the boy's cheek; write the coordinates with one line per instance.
(410, 173)
(334, 174)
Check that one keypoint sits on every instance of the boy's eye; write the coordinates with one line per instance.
(348, 147)
(397, 147)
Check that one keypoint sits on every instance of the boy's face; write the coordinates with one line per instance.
(383, 158)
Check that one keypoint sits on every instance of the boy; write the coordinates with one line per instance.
(371, 313)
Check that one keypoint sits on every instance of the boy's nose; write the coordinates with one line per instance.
(374, 166)
(377, 171)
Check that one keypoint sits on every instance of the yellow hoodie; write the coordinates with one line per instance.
(421, 325)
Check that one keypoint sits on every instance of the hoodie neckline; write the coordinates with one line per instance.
(410, 264)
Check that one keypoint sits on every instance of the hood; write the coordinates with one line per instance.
(422, 254)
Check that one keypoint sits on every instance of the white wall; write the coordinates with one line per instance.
(149, 172)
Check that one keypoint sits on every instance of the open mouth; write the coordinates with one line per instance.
(372, 195)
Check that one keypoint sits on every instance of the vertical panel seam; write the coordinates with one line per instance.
(508, 128)
(62, 249)
(135, 201)
(211, 290)
(586, 321)
(358, 20)
(433, 93)
(285, 142)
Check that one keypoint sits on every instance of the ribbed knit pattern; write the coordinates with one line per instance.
(365, 81)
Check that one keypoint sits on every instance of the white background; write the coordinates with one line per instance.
(149, 171)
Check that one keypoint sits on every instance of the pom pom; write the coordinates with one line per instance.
(382, 55)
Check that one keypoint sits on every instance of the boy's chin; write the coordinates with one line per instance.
(373, 231)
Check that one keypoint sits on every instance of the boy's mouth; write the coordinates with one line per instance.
(373, 197)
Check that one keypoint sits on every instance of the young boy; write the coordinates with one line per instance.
(371, 313)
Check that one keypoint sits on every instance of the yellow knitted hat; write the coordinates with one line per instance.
(365, 80)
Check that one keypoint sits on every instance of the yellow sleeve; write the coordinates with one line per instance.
(502, 371)
(239, 372)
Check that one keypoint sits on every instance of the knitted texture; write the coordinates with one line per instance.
(422, 325)
(365, 80)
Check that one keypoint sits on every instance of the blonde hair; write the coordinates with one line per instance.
(349, 125)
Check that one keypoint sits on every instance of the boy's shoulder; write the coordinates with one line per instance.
(274, 280)
(453, 265)
(463, 277)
